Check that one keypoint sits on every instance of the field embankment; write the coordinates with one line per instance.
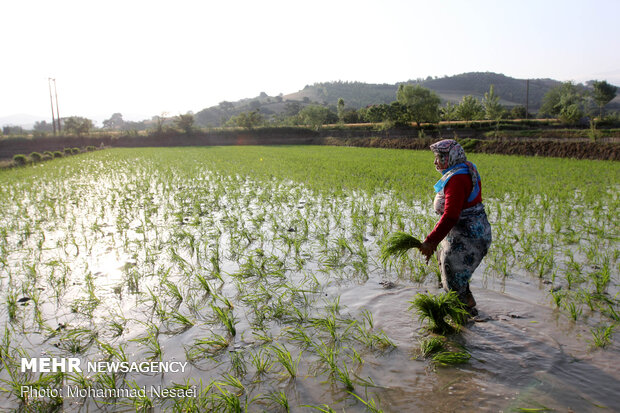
(526, 147)
(546, 141)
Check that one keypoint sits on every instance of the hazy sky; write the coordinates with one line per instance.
(142, 58)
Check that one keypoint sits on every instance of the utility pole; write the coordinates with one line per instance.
(49, 85)
(57, 110)
(527, 98)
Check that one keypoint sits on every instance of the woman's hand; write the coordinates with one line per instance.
(427, 250)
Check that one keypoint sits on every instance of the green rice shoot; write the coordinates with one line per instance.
(431, 345)
(446, 358)
(444, 312)
(397, 245)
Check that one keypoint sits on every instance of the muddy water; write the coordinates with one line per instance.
(524, 355)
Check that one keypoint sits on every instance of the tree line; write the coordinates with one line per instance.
(417, 104)
(414, 104)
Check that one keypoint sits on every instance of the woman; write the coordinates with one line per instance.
(463, 231)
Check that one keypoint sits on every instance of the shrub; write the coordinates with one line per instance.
(20, 159)
(48, 153)
(67, 151)
(57, 154)
(36, 157)
(90, 148)
(75, 151)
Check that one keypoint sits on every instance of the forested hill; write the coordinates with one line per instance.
(511, 91)
(356, 94)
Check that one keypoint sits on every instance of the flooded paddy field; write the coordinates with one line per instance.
(254, 273)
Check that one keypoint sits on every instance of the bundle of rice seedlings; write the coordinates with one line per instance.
(451, 357)
(445, 312)
(431, 345)
(397, 245)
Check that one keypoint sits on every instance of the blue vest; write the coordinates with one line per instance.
(458, 169)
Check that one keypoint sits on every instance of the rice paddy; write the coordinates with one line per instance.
(261, 269)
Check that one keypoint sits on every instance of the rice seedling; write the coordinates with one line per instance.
(141, 402)
(444, 312)
(173, 290)
(397, 245)
(11, 303)
(371, 404)
(262, 361)
(206, 347)
(431, 345)
(286, 359)
(601, 336)
(558, 297)
(237, 363)
(368, 318)
(226, 316)
(185, 322)
(151, 341)
(446, 358)
(601, 278)
(323, 408)
(611, 312)
(113, 353)
(299, 336)
(575, 312)
(279, 400)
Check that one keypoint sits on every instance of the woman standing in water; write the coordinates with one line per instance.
(463, 232)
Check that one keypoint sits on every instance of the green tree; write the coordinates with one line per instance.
(159, 122)
(340, 108)
(569, 106)
(470, 109)
(571, 113)
(115, 122)
(396, 115)
(292, 108)
(602, 94)
(422, 104)
(185, 123)
(376, 113)
(350, 116)
(248, 120)
(448, 112)
(42, 127)
(492, 108)
(314, 115)
(518, 112)
(558, 99)
(77, 125)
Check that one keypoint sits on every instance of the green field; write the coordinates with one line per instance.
(241, 261)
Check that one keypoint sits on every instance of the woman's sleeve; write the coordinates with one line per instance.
(455, 192)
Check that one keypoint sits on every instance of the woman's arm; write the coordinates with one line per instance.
(456, 192)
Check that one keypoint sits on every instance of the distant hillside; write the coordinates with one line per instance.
(23, 120)
(355, 94)
(512, 92)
